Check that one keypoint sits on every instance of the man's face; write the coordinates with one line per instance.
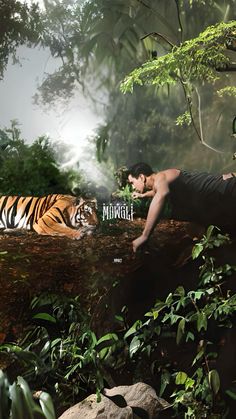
(138, 184)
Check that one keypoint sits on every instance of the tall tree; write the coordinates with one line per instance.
(19, 24)
(99, 42)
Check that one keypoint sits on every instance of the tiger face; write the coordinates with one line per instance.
(85, 216)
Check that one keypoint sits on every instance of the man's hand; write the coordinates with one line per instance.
(138, 242)
(137, 195)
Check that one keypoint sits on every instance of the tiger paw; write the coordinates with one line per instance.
(87, 231)
(79, 235)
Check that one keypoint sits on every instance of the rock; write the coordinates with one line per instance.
(123, 402)
(91, 409)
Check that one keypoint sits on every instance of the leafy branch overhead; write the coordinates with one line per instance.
(20, 24)
(201, 58)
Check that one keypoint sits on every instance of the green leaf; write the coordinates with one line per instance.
(180, 291)
(26, 391)
(4, 396)
(181, 377)
(198, 295)
(27, 356)
(201, 321)
(133, 329)
(169, 298)
(214, 381)
(155, 314)
(47, 405)
(119, 318)
(134, 345)
(180, 330)
(103, 353)
(231, 394)
(23, 405)
(106, 344)
(210, 290)
(198, 356)
(197, 250)
(190, 412)
(190, 336)
(45, 316)
(189, 383)
(98, 394)
(210, 230)
(109, 337)
(55, 342)
(165, 380)
(19, 408)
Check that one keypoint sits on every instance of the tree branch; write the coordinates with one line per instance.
(160, 35)
(161, 17)
(189, 103)
(179, 20)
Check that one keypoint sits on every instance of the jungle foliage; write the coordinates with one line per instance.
(199, 58)
(62, 354)
(99, 43)
(17, 402)
(31, 169)
(20, 24)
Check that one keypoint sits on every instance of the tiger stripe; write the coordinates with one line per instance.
(51, 214)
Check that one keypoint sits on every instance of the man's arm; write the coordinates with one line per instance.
(161, 190)
(147, 194)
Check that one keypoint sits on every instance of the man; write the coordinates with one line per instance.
(199, 197)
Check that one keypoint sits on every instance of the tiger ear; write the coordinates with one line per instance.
(94, 202)
(79, 200)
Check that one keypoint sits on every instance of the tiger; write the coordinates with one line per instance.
(54, 215)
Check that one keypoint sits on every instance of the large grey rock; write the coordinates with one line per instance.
(123, 402)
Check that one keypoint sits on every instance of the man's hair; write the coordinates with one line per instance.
(140, 169)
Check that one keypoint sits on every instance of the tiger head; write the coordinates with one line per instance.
(85, 216)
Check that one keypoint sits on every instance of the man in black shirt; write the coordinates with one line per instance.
(199, 197)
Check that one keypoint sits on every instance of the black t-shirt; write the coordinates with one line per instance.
(204, 198)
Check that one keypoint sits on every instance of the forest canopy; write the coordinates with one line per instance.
(181, 52)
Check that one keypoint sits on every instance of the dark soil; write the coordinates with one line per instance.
(91, 267)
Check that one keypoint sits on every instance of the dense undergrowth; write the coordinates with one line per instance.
(174, 347)
(33, 169)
